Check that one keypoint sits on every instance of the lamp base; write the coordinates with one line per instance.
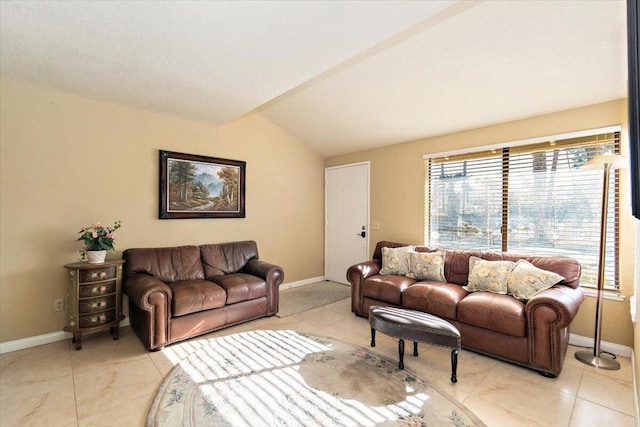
(599, 362)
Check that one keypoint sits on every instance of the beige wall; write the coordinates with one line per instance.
(68, 161)
(397, 194)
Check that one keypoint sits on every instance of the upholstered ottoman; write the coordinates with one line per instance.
(417, 326)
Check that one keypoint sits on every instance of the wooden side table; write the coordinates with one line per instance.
(94, 298)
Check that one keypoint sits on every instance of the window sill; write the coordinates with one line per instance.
(606, 294)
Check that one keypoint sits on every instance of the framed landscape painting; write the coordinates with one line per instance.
(193, 186)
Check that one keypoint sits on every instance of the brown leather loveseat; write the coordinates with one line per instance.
(533, 333)
(176, 293)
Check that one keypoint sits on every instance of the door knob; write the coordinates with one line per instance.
(362, 234)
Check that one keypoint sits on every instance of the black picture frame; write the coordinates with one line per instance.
(194, 186)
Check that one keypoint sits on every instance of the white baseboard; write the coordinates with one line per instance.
(617, 349)
(309, 281)
(21, 344)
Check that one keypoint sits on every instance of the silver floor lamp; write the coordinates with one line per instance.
(606, 162)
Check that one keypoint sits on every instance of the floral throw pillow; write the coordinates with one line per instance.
(396, 260)
(488, 276)
(426, 266)
(526, 280)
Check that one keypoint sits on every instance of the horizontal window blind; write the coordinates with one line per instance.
(466, 203)
(532, 199)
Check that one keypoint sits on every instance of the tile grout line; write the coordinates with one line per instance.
(73, 381)
(575, 398)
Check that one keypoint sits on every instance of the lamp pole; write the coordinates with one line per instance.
(594, 359)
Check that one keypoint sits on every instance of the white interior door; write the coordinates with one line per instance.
(346, 219)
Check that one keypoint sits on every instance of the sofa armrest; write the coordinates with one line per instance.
(549, 314)
(147, 291)
(356, 274)
(273, 275)
(149, 308)
(559, 303)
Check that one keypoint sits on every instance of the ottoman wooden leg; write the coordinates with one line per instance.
(415, 348)
(454, 365)
(373, 337)
(401, 354)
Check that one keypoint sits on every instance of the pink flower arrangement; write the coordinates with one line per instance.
(97, 237)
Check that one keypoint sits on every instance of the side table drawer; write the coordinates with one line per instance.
(93, 305)
(97, 319)
(96, 289)
(97, 274)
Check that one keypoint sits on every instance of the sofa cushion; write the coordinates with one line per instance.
(526, 280)
(567, 267)
(191, 296)
(172, 264)
(387, 288)
(426, 266)
(377, 253)
(437, 298)
(227, 258)
(496, 312)
(456, 265)
(489, 276)
(241, 287)
(396, 260)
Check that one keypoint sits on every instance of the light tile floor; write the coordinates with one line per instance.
(112, 383)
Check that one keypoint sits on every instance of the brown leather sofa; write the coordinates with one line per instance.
(533, 334)
(176, 293)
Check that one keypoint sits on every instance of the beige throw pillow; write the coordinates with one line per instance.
(526, 280)
(396, 260)
(488, 276)
(426, 266)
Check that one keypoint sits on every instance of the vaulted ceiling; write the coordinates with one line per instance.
(341, 76)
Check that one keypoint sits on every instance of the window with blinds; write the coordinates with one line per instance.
(530, 199)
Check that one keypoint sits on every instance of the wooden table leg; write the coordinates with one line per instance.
(77, 339)
(115, 330)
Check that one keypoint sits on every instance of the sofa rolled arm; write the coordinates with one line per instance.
(549, 314)
(272, 274)
(149, 308)
(356, 274)
(563, 301)
(141, 287)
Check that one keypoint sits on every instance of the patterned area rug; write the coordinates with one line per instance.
(286, 378)
(297, 300)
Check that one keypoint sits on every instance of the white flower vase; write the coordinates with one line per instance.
(96, 257)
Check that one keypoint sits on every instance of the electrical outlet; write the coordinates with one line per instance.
(58, 305)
